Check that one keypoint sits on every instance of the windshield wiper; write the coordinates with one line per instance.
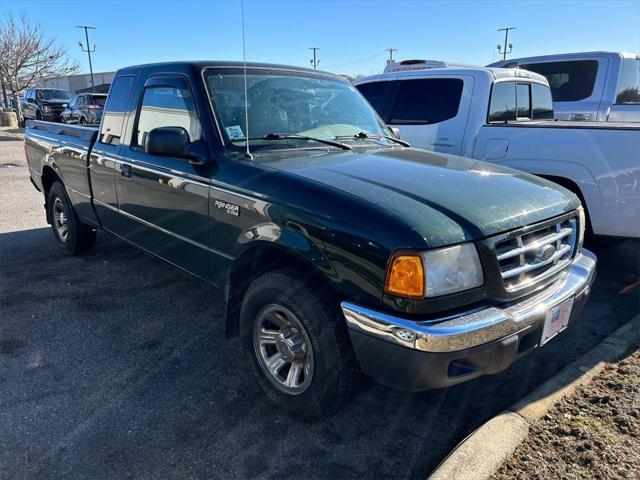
(369, 136)
(404, 143)
(293, 136)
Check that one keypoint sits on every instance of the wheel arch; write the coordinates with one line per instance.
(49, 177)
(574, 188)
(255, 260)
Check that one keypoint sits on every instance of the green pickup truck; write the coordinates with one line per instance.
(339, 249)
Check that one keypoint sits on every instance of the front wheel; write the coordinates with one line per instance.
(73, 236)
(297, 344)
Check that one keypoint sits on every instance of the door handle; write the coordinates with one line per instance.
(126, 170)
(443, 142)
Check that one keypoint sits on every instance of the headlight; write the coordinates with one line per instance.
(46, 109)
(434, 272)
(452, 269)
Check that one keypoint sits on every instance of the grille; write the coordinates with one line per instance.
(538, 255)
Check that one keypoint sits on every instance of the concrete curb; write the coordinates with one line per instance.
(481, 454)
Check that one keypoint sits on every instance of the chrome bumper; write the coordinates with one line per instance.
(476, 328)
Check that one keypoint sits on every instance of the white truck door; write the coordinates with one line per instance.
(431, 113)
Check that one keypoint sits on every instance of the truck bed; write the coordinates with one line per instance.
(63, 149)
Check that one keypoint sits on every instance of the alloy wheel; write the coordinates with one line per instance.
(60, 219)
(283, 349)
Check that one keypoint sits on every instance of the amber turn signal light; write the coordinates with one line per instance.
(406, 276)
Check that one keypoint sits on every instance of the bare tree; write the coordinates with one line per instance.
(27, 56)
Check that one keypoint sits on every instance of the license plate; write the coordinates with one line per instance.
(556, 321)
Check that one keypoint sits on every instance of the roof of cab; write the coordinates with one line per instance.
(564, 56)
(491, 72)
(200, 64)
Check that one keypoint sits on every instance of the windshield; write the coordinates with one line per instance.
(290, 103)
(54, 94)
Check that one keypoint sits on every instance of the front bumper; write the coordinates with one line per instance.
(420, 355)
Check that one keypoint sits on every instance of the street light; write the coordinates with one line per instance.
(88, 51)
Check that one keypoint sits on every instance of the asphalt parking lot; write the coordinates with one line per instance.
(113, 365)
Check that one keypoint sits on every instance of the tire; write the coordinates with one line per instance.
(38, 116)
(82, 121)
(312, 336)
(73, 236)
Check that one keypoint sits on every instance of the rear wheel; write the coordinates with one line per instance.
(73, 236)
(297, 344)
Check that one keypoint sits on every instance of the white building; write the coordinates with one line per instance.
(80, 83)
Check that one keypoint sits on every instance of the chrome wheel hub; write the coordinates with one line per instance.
(283, 349)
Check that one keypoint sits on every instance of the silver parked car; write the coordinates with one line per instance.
(84, 109)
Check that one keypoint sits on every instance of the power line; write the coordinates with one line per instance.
(315, 61)
(88, 51)
(506, 40)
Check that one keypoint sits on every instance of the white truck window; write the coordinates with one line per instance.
(426, 101)
(629, 83)
(375, 93)
(502, 107)
(570, 81)
(541, 101)
(523, 101)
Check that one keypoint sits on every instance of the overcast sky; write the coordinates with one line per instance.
(352, 35)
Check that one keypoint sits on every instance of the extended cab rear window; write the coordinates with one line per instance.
(426, 101)
(570, 81)
(114, 112)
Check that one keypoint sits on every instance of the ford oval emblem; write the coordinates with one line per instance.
(545, 253)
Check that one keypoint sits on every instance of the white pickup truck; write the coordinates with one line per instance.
(505, 116)
(596, 86)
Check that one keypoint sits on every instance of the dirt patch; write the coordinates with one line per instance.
(593, 434)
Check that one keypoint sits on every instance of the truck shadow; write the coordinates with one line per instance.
(112, 364)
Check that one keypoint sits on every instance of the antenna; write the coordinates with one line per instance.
(248, 155)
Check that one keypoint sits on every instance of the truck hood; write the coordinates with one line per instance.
(446, 199)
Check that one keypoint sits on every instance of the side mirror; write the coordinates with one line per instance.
(395, 131)
(174, 142)
(167, 142)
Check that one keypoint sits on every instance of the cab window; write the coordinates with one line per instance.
(570, 81)
(523, 100)
(629, 83)
(375, 93)
(115, 110)
(164, 106)
(502, 107)
(541, 102)
(426, 101)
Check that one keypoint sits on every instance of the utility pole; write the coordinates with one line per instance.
(315, 62)
(390, 50)
(88, 51)
(501, 50)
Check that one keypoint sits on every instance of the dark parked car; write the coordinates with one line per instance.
(44, 103)
(84, 109)
(335, 246)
